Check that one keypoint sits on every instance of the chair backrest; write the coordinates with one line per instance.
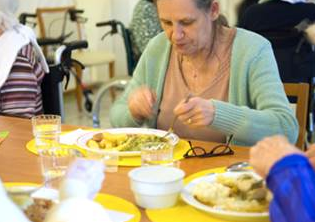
(132, 58)
(301, 92)
(56, 23)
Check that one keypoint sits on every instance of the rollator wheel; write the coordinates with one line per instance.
(87, 103)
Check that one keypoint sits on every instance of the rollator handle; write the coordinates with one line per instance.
(75, 45)
(23, 17)
(107, 23)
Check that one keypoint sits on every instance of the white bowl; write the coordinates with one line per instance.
(156, 187)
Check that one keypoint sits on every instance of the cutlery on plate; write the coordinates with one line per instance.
(239, 166)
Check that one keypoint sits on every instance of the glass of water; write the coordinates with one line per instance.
(46, 130)
(157, 153)
(109, 158)
(54, 163)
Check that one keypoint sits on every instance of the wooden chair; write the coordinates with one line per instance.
(301, 92)
(52, 19)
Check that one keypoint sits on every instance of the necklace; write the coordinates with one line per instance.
(196, 69)
(197, 78)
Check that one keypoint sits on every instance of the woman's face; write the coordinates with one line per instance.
(187, 27)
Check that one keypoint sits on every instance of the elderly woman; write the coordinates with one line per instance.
(21, 72)
(231, 74)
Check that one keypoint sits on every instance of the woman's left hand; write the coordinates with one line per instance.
(197, 112)
(268, 151)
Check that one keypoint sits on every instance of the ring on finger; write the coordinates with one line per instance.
(189, 121)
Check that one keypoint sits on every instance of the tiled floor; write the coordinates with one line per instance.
(74, 117)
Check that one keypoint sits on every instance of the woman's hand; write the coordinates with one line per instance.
(310, 153)
(196, 112)
(141, 103)
(268, 151)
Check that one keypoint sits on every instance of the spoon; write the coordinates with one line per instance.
(238, 166)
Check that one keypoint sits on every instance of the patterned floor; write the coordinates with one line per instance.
(74, 117)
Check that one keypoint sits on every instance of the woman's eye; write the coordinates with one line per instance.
(168, 23)
(186, 23)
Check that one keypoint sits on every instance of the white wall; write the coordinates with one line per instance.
(228, 8)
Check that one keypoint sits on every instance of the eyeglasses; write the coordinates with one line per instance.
(219, 150)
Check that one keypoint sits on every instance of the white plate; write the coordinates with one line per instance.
(24, 200)
(223, 214)
(82, 140)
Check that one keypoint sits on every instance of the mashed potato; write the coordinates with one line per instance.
(243, 193)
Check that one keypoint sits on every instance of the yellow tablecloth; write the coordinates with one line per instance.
(179, 150)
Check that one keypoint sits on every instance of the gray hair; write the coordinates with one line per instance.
(7, 17)
(203, 4)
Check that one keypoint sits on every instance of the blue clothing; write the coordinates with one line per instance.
(292, 181)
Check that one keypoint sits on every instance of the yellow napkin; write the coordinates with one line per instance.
(3, 135)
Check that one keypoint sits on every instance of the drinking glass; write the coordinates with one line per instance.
(157, 153)
(109, 158)
(46, 130)
(54, 163)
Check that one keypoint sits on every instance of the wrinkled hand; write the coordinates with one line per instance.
(310, 153)
(141, 103)
(196, 112)
(268, 151)
(83, 178)
(310, 33)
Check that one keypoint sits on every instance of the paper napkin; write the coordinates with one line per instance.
(3, 135)
(117, 216)
(71, 137)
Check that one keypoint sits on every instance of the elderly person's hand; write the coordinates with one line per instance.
(310, 153)
(197, 112)
(141, 103)
(310, 33)
(268, 151)
(83, 179)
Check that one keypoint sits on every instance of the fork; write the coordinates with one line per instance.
(171, 129)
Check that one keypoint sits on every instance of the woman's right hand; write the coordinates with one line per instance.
(141, 103)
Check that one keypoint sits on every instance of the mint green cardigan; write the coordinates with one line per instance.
(257, 105)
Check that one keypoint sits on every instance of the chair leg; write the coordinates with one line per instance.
(111, 66)
(78, 90)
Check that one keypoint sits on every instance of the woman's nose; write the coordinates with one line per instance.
(178, 33)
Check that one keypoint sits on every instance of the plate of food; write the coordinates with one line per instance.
(127, 141)
(34, 202)
(234, 196)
